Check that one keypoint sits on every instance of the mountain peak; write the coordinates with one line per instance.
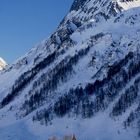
(77, 4)
(2, 63)
(124, 4)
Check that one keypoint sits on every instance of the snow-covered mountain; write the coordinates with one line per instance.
(2, 64)
(83, 80)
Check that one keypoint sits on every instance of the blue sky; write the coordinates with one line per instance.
(24, 23)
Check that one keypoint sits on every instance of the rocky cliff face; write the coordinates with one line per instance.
(84, 78)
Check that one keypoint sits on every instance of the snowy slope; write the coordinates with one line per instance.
(84, 78)
(126, 4)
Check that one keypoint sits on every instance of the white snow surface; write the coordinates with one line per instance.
(122, 29)
(129, 4)
(2, 63)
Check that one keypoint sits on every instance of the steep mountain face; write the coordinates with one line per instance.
(83, 80)
(2, 64)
